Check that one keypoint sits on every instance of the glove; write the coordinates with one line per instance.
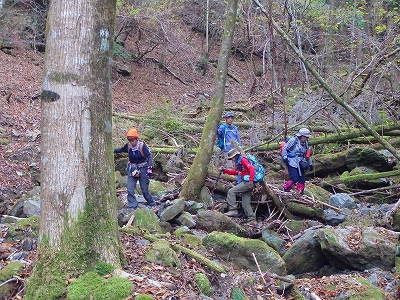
(311, 167)
(291, 155)
(250, 185)
(285, 160)
(222, 170)
(149, 172)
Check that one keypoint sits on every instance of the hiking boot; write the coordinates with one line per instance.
(251, 221)
(232, 213)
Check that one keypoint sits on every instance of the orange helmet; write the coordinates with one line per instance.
(132, 133)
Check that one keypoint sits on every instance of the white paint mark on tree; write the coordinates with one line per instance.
(104, 34)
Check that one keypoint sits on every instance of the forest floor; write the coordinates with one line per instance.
(21, 74)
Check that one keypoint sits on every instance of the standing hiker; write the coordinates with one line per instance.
(244, 185)
(297, 158)
(139, 168)
(227, 132)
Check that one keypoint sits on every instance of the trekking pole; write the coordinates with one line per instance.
(214, 186)
(216, 182)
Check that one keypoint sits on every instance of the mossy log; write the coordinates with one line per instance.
(301, 209)
(352, 135)
(201, 121)
(360, 178)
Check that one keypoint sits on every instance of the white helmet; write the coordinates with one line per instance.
(304, 132)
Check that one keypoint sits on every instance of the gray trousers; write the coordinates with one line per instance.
(246, 198)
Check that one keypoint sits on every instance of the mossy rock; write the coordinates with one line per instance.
(181, 231)
(13, 268)
(146, 219)
(296, 226)
(317, 192)
(115, 288)
(92, 286)
(239, 251)
(23, 228)
(162, 254)
(203, 284)
(193, 240)
(367, 291)
(238, 294)
(82, 288)
(104, 269)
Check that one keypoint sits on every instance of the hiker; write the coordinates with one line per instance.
(297, 158)
(244, 184)
(227, 132)
(139, 168)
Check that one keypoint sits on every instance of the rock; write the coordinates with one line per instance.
(215, 221)
(342, 200)
(305, 255)
(161, 253)
(239, 251)
(359, 248)
(368, 157)
(172, 211)
(186, 219)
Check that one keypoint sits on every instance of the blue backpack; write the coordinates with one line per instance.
(221, 138)
(259, 169)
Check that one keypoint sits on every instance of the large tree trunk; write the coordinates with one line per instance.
(78, 226)
(198, 170)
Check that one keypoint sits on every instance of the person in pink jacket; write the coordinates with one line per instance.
(245, 172)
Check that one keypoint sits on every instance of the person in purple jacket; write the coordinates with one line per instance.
(294, 156)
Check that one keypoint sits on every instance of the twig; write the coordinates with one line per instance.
(130, 221)
(8, 281)
(374, 190)
(259, 270)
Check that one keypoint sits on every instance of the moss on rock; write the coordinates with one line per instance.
(203, 284)
(92, 286)
(161, 253)
(146, 219)
(13, 268)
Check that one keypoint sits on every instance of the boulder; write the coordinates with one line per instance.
(305, 255)
(240, 252)
(359, 248)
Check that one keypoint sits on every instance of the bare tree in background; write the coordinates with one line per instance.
(198, 170)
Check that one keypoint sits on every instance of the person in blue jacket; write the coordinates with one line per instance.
(227, 132)
(294, 156)
(139, 168)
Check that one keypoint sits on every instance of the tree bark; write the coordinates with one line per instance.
(78, 226)
(198, 171)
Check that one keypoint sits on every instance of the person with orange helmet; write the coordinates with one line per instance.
(139, 168)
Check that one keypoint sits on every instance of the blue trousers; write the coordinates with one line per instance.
(144, 186)
(294, 175)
